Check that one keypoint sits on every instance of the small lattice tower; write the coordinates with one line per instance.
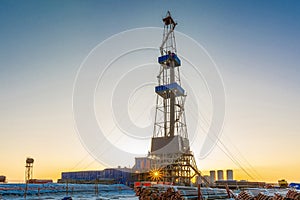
(29, 169)
(170, 149)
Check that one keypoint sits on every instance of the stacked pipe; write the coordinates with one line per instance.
(244, 196)
(149, 193)
(291, 195)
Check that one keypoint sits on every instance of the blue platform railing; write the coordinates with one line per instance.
(165, 90)
(166, 60)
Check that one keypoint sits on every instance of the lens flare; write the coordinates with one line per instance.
(155, 175)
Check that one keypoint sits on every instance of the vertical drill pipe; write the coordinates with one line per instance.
(172, 100)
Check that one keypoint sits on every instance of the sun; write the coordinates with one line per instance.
(155, 174)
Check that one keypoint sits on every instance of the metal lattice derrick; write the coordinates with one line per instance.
(175, 168)
(170, 149)
(29, 169)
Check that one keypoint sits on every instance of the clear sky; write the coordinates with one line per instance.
(255, 45)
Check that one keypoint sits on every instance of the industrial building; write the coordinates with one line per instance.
(142, 164)
(106, 176)
(234, 184)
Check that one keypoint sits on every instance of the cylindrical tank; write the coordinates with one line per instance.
(229, 174)
(220, 175)
(29, 160)
(212, 174)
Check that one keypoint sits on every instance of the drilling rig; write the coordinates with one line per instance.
(170, 152)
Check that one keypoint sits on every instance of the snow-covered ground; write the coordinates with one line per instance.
(59, 191)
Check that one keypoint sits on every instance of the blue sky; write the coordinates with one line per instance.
(42, 43)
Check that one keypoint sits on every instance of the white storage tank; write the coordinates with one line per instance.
(229, 174)
(212, 175)
(220, 175)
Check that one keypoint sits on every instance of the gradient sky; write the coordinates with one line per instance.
(254, 43)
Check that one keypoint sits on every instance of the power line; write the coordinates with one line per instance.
(224, 149)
